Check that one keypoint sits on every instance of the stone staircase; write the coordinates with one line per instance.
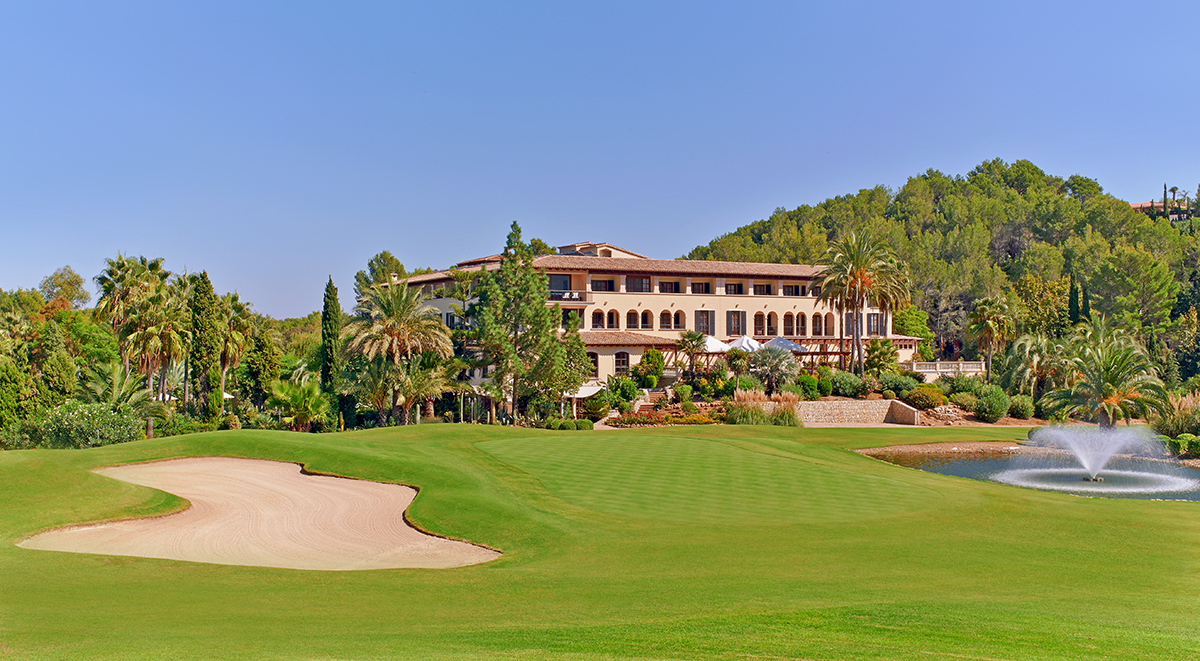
(646, 405)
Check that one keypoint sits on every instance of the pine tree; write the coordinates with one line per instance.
(331, 344)
(206, 339)
(1073, 302)
(515, 326)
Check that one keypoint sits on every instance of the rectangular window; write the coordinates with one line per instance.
(816, 291)
(637, 283)
(668, 287)
(701, 287)
(604, 285)
(735, 322)
(560, 283)
(704, 321)
(875, 323)
(795, 290)
(762, 290)
(735, 288)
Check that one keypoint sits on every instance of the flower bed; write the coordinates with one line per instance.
(658, 419)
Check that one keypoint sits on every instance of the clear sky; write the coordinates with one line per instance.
(274, 144)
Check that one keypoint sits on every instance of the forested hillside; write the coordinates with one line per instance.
(1008, 230)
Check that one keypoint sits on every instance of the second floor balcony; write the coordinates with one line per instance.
(570, 296)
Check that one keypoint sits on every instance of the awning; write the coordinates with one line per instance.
(745, 343)
(785, 344)
(713, 345)
(585, 391)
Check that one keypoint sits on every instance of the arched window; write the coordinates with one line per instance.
(613, 319)
(801, 325)
(631, 319)
(622, 362)
(772, 324)
(817, 325)
(789, 324)
(598, 319)
(647, 320)
(595, 358)
(760, 324)
(680, 321)
(829, 325)
(664, 321)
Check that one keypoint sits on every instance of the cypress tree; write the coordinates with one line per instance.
(331, 342)
(206, 339)
(1073, 302)
(1085, 306)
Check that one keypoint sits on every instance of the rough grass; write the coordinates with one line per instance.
(721, 542)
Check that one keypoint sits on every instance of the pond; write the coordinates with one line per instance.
(1049, 470)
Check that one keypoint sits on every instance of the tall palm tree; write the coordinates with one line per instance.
(123, 283)
(992, 324)
(237, 323)
(394, 322)
(158, 332)
(691, 343)
(861, 269)
(1109, 377)
(301, 403)
(373, 386)
(417, 383)
(1036, 360)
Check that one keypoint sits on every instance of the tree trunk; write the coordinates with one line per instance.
(429, 413)
(989, 365)
(223, 370)
(187, 372)
(149, 427)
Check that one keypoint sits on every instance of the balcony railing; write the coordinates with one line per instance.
(570, 296)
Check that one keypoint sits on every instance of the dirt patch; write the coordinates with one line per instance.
(965, 448)
(267, 514)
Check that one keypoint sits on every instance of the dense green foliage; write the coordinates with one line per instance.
(331, 337)
(991, 403)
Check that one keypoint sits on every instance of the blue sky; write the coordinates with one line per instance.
(275, 144)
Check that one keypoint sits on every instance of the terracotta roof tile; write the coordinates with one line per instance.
(679, 267)
(618, 338)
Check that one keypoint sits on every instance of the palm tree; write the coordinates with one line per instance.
(157, 332)
(691, 343)
(774, 366)
(1036, 360)
(301, 403)
(122, 391)
(395, 322)
(236, 325)
(123, 283)
(861, 269)
(739, 363)
(416, 383)
(373, 386)
(1108, 378)
(992, 324)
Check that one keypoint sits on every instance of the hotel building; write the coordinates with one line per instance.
(627, 303)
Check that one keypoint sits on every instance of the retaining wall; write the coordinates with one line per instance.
(858, 411)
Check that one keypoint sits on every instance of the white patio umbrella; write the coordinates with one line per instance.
(745, 343)
(784, 343)
(713, 345)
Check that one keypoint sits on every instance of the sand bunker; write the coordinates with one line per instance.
(267, 514)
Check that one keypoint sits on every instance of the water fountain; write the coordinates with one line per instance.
(1077, 460)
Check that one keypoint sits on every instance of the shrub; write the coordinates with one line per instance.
(1021, 407)
(596, 407)
(805, 387)
(915, 376)
(657, 419)
(824, 372)
(888, 394)
(922, 398)
(1193, 446)
(746, 414)
(992, 405)
(683, 393)
(231, 421)
(583, 424)
(824, 386)
(1175, 446)
(74, 424)
(896, 383)
(1180, 416)
(960, 383)
(846, 384)
(964, 400)
(566, 425)
(650, 381)
(687, 407)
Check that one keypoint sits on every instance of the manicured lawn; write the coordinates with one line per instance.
(688, 542)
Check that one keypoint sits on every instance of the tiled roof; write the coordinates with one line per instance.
(617, 338)
(679, 267)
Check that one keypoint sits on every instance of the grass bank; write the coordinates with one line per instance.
(683, 542)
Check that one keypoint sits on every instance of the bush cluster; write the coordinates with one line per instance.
(1021, 407)
(805, 388)
(74, 424)
(659, 419)
(923, 398)
(964, 400)
(824, 386)
(992, 403)
(847, 384)
(897, 383)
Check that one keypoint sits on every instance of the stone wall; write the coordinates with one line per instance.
(858, 412)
